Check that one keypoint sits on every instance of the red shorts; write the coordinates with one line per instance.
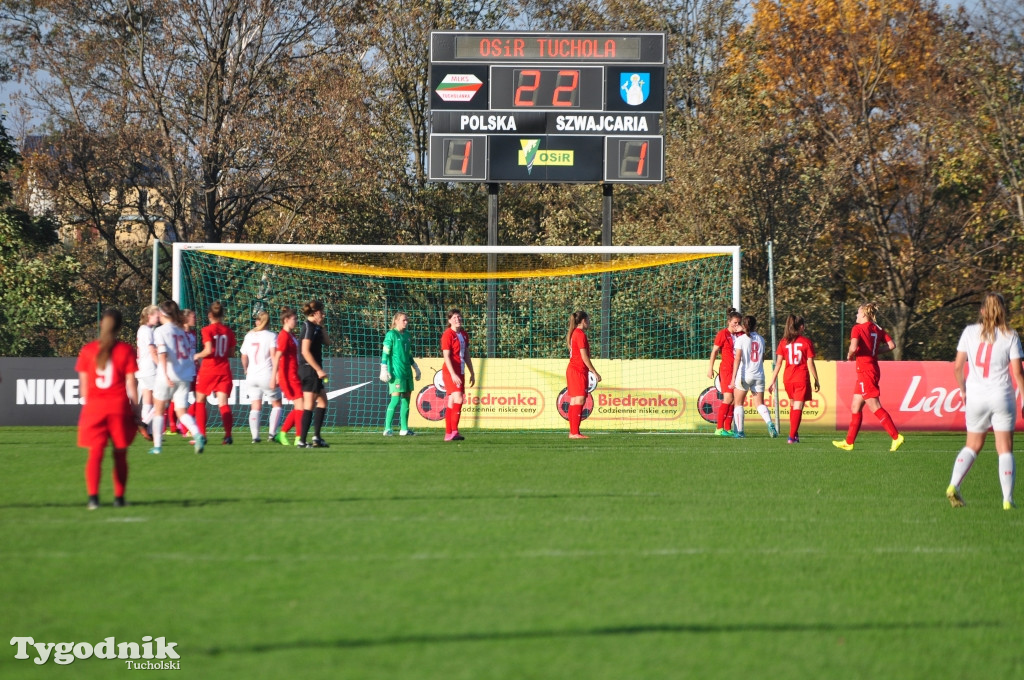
(208, 382)
(449, 384)
(799, 391)
(866, 384)
(290, 386)
(97, 426)
(576, 381)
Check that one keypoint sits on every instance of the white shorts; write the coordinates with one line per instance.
(176, 392)
(995, 410)
(260, 390)
(755, 385)
(146, 382)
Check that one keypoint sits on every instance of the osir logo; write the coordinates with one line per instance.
(531, 154)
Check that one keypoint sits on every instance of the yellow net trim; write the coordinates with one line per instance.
(315, 263)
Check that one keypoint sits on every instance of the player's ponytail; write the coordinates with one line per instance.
(312, 307)
(992, 316)
(262, 320)
(575, 319)
(216, 311)
(749, 324)
(731, 314)
(870, 310)
(794, 324)
(110, 324)
(170, 309)
(287, 313)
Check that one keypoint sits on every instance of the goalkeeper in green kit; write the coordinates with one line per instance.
(396, 369)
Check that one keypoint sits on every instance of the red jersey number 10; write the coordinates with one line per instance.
(220, 346)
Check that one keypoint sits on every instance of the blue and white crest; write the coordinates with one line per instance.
(635, 88)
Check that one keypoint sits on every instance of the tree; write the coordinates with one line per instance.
(858, 89)
(36, 278)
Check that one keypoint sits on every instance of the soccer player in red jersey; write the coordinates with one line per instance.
(723, 345)
(110, 411)
(455, 349)
(214, 375)
(288, 374)
(867, 341)
(576, 376)
(797, 352)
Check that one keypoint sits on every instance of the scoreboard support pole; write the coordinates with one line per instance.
(606, 278)
(492, 266)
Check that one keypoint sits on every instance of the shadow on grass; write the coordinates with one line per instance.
(208, 502)
(610, 631)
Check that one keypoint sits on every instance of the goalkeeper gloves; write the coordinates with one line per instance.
(384, 375)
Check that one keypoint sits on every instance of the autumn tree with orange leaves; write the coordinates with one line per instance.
(861, 98)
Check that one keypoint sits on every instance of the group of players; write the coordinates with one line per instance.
(124, 392)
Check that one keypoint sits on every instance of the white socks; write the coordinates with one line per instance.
(158, 431)
(275, 419)
(737, 418)
(964, 461)
(254, 423)
(1007, 472)
(189, 422)
(762, 410)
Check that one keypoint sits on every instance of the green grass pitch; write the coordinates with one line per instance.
(512, 556)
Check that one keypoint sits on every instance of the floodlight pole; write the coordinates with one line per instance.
(771, 317)
(156, 271)
(492, 266)
(606, 278)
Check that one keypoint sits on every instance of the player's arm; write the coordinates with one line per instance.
(83, 386)
(737, 363)
(307, 354)
(812, 369)
(1018, 377)
(131, 386)
(775, 372)
(958, 373)
(585, 355)
(245, 362)
(206, 351)
(715, 349)
(275, 359)
(385, 358)
(469, 367)
(854, 344)
(451, 367)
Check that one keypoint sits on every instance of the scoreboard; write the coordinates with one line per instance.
(515, 106)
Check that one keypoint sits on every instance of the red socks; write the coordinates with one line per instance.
(92, 470)
(451, 418)
(855, 420)
(575, 416)
(225, 417)
(120, 472)
(201, 415)
(794, 422)
(723, 412)
(886, 420)
(289, 421)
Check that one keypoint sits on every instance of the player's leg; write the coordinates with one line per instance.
(120, 476)
(226, 418)
(318, 419)
(963, 463)
(275, 418)
(93, 470)
(856, 418)
(200, 407)
(389, 413)
(255, 410)
(1007, 466)
(739, 398)
(307, 416)
(403, 413)
(453, 415)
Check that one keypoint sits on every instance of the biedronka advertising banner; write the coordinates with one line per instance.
(633, 395)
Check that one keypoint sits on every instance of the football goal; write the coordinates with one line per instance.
(654, 313)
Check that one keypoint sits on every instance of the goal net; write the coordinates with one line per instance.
(654, 313)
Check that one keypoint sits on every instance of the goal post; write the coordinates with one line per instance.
(658, 309)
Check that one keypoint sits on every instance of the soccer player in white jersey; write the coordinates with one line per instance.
(259, 360)
(145, 357)
(748, 376)
(175, 371)
(993, 351)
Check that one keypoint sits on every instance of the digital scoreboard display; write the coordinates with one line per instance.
(547, 107)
